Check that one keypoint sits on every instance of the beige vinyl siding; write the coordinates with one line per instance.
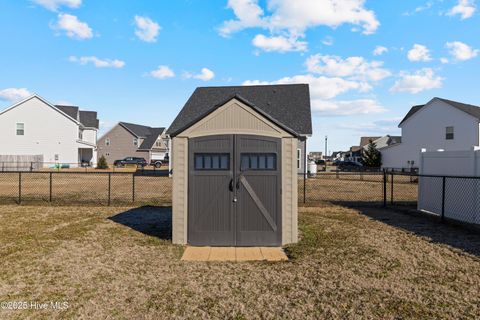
(289, 191)
(121, 145)
(180, 190)
(234, 118)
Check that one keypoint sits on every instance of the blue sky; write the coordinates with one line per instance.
(367, 62)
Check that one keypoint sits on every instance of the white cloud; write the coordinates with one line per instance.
(353, 67)
(162, 72)
(328, 41)
(461, 51)
(320, 87)
(464, 8)
(419, 53)
(379, 50)
(146, 29)
(347, 108)
(53, 5)
(421, 80)
(278, 43)
(295, 17)
(418, 9)
(379, 127)
(444, 60)
(73, 27)
(14, 94)
(205, 75)
(99, 63)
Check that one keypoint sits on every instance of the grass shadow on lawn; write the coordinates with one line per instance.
(456, 236)
(149, 220)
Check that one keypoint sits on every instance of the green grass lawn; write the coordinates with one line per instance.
(118, 263)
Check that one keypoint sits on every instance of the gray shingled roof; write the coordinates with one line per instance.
(89, 119)
(366, 140)
(149, 134)
(86, 118)
(150, 140)
(137, 129)
(467, 108)
(286, 105)
(69, 110)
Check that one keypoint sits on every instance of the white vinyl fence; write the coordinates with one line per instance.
(449, 184)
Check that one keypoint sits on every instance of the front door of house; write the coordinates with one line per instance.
(234, 191)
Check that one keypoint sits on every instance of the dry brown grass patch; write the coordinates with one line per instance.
(118, 263)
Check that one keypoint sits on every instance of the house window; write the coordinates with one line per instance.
(158, 144)
(135, 141)
(107, 141)
(449, 133)
(299, 158)
(20, 129)
(80, 134)
(212, 161)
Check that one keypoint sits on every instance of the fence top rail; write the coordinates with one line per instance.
(432, 175)
(345, 173)
(136, 173)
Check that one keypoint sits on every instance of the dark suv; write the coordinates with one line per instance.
(140, 162)
(349, 166)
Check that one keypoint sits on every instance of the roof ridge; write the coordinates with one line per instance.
(256, 85)
(465, 104)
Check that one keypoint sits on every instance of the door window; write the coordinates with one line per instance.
(258, 161)
(212, 161)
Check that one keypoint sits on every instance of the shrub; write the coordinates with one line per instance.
(102, 163)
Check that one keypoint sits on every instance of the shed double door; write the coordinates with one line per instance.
(234, 191)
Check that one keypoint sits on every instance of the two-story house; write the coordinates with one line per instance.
(134, 140)
(440, 124)
(60, 134)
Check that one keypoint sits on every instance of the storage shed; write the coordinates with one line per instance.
(235, 165)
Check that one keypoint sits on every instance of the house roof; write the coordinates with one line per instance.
(149, 134)
(137, 129)
(69, 110)
(286, 105)
(86, 118)
(89, 119)
(467, 108)
(386, 141)
(150, 140)
(366, 140)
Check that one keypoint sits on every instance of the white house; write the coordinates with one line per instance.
(438, 125)
(61, 134)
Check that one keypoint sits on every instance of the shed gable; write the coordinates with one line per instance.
(234, 117)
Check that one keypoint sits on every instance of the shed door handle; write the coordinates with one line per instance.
(230, 185)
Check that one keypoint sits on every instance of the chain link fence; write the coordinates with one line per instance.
(455, 198)
(95, 188)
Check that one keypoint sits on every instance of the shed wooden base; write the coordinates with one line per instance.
(234, 254)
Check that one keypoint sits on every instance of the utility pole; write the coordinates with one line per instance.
(326, 144)
(324, 157)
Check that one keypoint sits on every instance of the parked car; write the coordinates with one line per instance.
(349, 166)
(321, 165)
(140, 162)
(156, 163)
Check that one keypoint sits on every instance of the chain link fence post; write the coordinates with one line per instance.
(304, 187)
(51, 187)
(391, 189)
(443, 198)
(384, 188)
(19, 188)
(109, 187)
(133, 187)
